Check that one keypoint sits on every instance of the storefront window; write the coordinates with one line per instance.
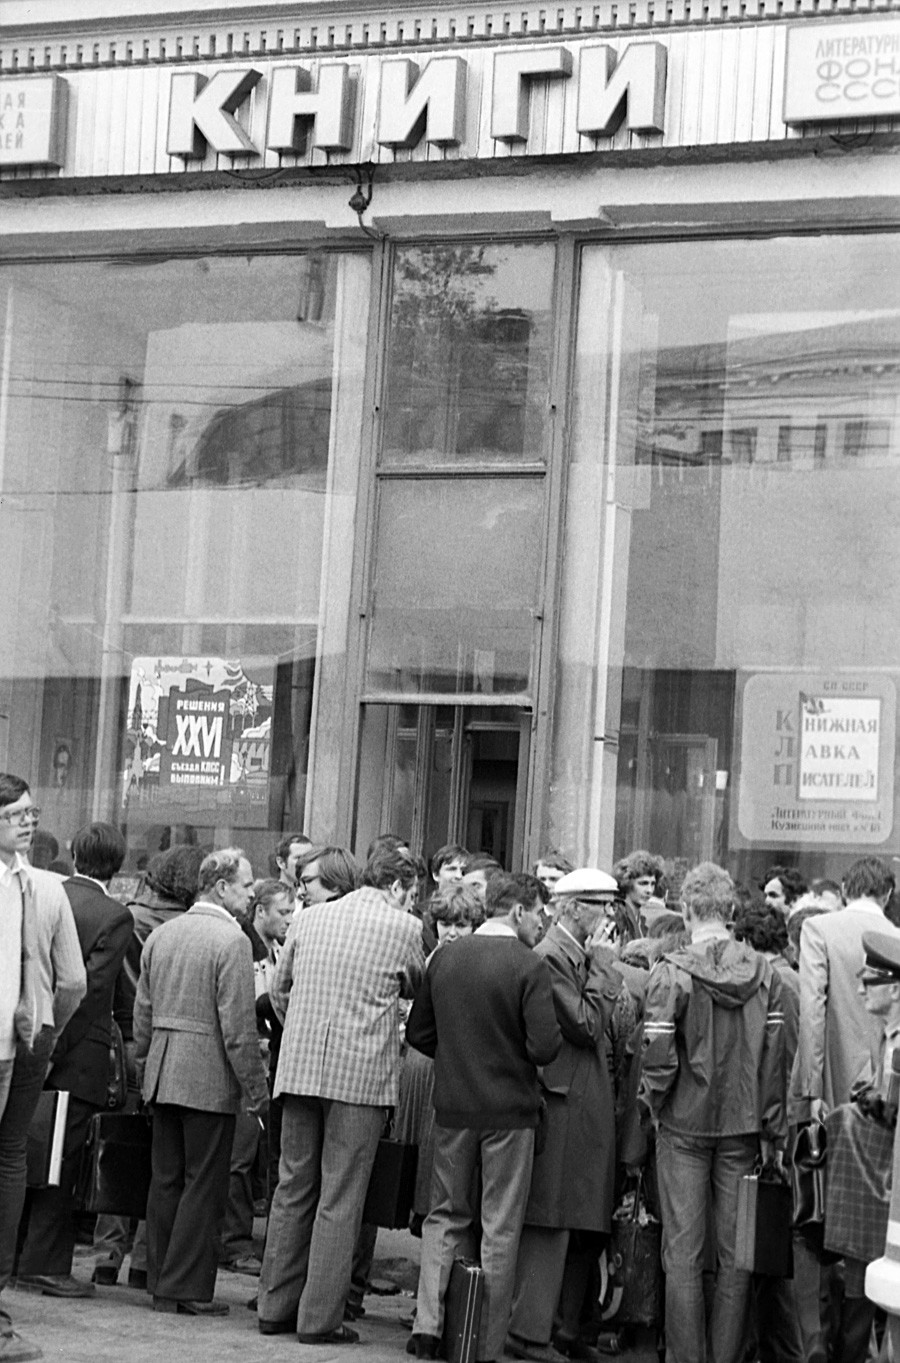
(179, 449)
(730, 640)
(458, 553)
(457, 578)
(469, 355)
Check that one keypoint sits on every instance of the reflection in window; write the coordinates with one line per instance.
(468, 363)
(760, 542)
(456, 585)
(181, 575)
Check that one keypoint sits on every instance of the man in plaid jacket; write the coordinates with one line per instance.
(340, 974)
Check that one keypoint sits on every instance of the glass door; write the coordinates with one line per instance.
(444, 773)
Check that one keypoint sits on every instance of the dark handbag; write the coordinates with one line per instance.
(462, 1312)
(634, 1261)
(116, 1164)
(808, 1182)
(392, 1185)
(763, 1239)
(117, 1078)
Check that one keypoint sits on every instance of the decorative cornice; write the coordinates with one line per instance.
(343, 26)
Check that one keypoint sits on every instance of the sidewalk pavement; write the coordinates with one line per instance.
(118, 1325)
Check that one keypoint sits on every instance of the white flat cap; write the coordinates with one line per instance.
(586, 882)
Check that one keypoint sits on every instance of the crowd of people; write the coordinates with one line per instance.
(548, 1041)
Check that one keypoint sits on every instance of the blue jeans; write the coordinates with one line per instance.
(21, 1081)
(696, 1173)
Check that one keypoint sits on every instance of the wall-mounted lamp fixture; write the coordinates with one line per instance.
(361, 197)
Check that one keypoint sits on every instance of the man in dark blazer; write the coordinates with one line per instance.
(80, 1061)
(197, 1052)
(485, 1014)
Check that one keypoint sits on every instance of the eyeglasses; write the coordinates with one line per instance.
(22, 816)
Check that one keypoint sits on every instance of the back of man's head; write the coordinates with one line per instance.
(868, 878)
(98, 850)
(708, 892)
(12, 788)
(174, 872)
(225, 864)
(338, 869)
(389, 864)
(505, 890)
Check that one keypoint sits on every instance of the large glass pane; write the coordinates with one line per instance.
(179, 443)
(456, 584)
(730, 644)
(469, 353)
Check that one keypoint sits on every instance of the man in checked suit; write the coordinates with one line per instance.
(342, 968)
(196, 1044)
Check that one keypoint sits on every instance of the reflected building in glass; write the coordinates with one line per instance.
(548, 502)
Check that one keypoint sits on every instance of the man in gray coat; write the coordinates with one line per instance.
(197, 1049)
(571, 1198)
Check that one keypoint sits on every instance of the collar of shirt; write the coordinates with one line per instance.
(494, 929)
(217, 908)
(864, 905)
(91, 881)
(704, 932)
(7, 872)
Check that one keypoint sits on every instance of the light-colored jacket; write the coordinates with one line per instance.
(341, 971)
(195, 1017)
(837, 1035)
(53, 980)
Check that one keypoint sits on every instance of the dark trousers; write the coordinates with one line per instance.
(21, 1081)
(47, 1233)
(237, 1233)
(187, 1200)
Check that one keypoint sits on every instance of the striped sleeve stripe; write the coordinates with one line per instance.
(658, 1027)
(775, 1020)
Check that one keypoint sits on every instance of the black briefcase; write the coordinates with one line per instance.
(116, 1168)
(462, 1312)
(392, 1186)
(763, 1242)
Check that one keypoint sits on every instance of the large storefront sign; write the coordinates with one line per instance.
(841, 70)
(198, 739)
(468, 103)
(816, 759)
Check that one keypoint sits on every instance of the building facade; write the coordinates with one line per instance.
(479, 424)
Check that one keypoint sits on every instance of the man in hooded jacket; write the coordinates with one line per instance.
(714, 1083)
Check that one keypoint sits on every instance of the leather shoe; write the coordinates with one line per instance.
(425, 1346)
(278, 1327)
(342, 1335)
(190, 1308)
(137, 1277)
(55, 1285)
(577, 1349)
(106, 1275)
(247, 1264)
(535, 1353)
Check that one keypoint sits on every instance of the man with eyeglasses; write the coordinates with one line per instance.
(42, 981)
(327, 874)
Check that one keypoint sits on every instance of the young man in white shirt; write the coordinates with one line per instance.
(42, 981)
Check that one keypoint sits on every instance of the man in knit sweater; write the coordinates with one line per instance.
(485, 1013)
